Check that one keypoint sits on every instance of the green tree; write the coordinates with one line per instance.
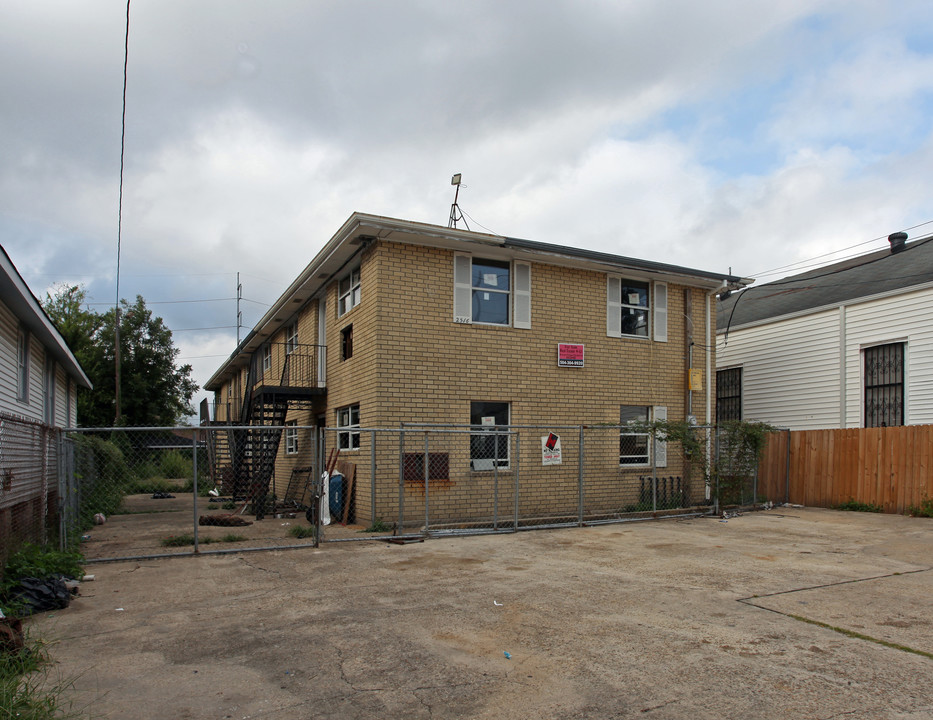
(154, 390)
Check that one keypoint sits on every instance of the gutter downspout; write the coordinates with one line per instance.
(709, 380)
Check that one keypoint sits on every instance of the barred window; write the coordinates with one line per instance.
(884, 385)
(728, 395)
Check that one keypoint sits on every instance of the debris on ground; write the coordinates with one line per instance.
(224, 520)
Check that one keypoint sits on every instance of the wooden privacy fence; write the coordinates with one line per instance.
(890, 467)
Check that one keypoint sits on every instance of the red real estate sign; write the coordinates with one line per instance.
(569, 355)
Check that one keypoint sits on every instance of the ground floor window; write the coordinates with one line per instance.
(291, 438)
(348, 417)
(488, 450)
(633, 445)
(884, 385)
(728, 395)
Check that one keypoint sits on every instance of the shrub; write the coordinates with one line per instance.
(102, 474)
(857, 506)
(174, 464)
(924, 509)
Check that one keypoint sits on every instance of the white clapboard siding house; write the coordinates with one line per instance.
(39, 381)
(847, 345)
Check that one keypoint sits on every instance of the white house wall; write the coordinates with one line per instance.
(8, 329)
(790, 370)
(909, 318)
(791, 367)
(34, 408)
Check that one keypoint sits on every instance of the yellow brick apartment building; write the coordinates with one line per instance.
(397, 322)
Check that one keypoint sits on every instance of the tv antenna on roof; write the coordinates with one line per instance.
(455, 213)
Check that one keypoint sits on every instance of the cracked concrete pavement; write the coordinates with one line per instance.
(679, 618)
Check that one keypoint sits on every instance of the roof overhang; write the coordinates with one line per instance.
(16, 295)
(361, 229)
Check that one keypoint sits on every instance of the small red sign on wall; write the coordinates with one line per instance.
(569, 355)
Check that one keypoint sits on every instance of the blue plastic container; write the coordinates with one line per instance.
(336, 495)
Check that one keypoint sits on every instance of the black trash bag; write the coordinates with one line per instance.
(161, 496)
(33, 595)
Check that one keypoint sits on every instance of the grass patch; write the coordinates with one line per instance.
(857, 506)
(188, 539)
(377, 526)
(302, 531)
(229, 505)
(25, 690)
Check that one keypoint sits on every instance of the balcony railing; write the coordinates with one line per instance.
(290, 365)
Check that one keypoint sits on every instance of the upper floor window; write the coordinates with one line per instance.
(629, 311)
(884, 385)
(291, 338)
(49, 390)
(266, 357)
(22, 366)
(346, 343)
(348, 293)
(492, 292)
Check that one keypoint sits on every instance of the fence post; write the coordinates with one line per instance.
(194, 485)
(518, 455)
(787, 470)
(401, 481)
(427, 501)
(317, 482)
(654, 473)
(372, 477)
(580, 481)
(495, 476)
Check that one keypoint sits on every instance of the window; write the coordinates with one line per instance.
(488, 450)
(22, 366)
(728, 395)
(266, 358)
(633, 446)
(348, 293)
(484, 292)
(348, 417)
(346, 343)
(291, 338)
(884, 385)
(49, 399)
(291, 437)
(629, 310)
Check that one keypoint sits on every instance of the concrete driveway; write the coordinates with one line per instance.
(789, 613)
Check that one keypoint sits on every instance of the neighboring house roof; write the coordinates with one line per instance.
(878, 273)
(361, 229)
(17, 296)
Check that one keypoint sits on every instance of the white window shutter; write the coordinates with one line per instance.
(463, 289)
(660, 312)
(613, 306)
(522, 297)
(660, 446)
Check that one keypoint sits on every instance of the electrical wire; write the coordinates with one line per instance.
(835, 252)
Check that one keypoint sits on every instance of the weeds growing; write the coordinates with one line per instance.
(857, 506)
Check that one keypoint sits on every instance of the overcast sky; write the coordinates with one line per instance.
(717, 134)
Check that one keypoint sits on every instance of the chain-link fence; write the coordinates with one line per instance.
(142, 492)
(28, 484)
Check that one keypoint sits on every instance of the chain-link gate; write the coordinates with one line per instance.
(146, 492)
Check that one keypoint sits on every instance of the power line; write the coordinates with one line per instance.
(781, 268)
